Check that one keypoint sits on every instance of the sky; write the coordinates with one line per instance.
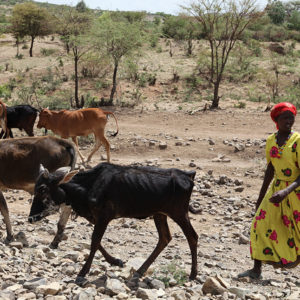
(152, 6)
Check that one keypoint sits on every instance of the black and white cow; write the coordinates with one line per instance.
(110, 191)
(21, 117)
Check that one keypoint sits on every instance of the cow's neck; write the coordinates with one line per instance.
(74, 195)
(59, 196)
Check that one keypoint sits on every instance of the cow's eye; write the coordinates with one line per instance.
(42, 189)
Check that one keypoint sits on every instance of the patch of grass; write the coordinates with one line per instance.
(240, 104)
(170, 272)
(47, 52)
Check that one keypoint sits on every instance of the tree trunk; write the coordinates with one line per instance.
(31, 46)
(190, 47)
(215, 103)
(68, 48)
(114, 87)
(76, 80)
(18, 48)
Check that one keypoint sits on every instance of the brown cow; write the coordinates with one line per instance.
(20, 160)
(3, 118)
(67, 123)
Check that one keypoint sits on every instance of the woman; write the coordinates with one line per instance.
(275, 230)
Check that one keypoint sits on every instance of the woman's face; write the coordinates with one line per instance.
(285, 121)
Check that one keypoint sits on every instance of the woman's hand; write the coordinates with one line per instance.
(278, 196)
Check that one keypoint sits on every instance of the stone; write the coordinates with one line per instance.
(179, 295)
(50, 289)
(34, 283)
(162, 145)
(213, 286)
(240, 292)
(150, 294)
(114, 287)
(7, 295)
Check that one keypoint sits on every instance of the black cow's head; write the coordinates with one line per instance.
(47, 195)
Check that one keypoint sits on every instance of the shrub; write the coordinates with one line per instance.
(5, 91)
(240, 104)
(47, 52)
(294, 35)
(171, 271)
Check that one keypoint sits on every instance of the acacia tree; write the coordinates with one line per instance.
(118, 39)
(182, 28)
(276, 12)
(74, 26)
(28, 19)
(223, 22)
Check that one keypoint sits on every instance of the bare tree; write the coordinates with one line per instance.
(223, 22)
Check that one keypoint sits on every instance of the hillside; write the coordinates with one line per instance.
(162, 106)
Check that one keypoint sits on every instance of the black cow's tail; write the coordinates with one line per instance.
(111, 113)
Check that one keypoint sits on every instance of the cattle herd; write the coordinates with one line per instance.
(44, 167)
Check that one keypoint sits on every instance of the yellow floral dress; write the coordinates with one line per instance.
(275, 230)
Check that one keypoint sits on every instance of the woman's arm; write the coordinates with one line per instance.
(280, 195)
(269, 174)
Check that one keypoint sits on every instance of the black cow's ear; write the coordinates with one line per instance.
(69, 176)
(44, 172)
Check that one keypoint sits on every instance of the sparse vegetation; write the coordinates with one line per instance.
(170, 272)
(180, 43)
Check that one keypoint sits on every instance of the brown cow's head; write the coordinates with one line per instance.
(44, 118)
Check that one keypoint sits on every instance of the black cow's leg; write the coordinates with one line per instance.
(110, 259)
(192, 237)
(5, 214)
(1, 133)
(10, 133)
(97, 235)
(164, 239)
(63, 219)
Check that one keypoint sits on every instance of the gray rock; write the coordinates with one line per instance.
(240, 292)
(213, 286)
(34, 283)
(49, 289)
(162, 145)
(7, 295)
(114, 287)
(157, 284)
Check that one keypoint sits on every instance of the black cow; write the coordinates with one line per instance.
(21, 117)
(108, 192)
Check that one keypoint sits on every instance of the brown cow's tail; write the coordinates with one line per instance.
(73, 155)
(3, 118)
(111, 113)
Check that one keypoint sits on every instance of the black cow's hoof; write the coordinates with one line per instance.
(8, 240)
(53, 246)
(136, 275)
(119, 263)
(81, 281)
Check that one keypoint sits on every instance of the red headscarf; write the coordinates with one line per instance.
(281, 107)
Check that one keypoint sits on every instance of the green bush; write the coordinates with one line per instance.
(5, 91)
(169, 272)
(47, 52)
(294, 35)
(146, 78)
(240, 104)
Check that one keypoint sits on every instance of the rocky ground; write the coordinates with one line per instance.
(226, 148)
